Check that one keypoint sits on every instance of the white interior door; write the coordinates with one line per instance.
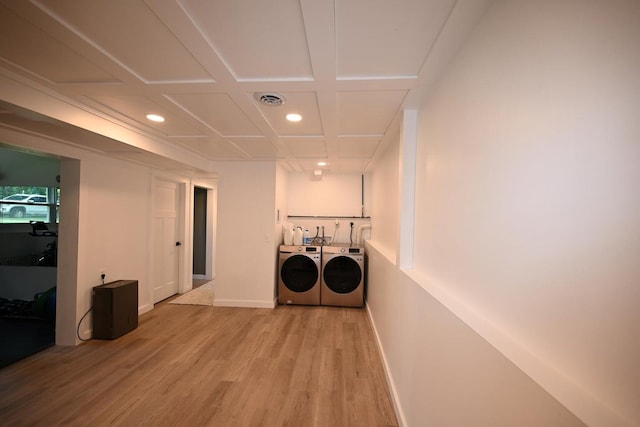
(166, 241)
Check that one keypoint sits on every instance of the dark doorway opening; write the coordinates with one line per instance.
(199, 231)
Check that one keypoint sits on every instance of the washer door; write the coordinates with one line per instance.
(342, 274)
(299, 273)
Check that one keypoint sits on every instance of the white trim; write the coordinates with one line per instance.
(395, 399)
(407, 182)
(144, 309)
(185, 236)
(579, 401)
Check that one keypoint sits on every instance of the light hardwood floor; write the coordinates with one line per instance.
(209, 366)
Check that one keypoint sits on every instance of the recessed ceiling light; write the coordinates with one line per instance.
(293, 117)
(155, 118)
(322, 163)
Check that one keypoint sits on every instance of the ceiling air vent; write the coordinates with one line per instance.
(270, 99)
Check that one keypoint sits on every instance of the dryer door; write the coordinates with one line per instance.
(299, 273)
(342, 274)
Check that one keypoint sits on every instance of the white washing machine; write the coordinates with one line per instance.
(342, 275)
(299, 275)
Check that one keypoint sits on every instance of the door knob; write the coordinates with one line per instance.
(178, 244)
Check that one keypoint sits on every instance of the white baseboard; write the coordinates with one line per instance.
(144, 309)
(387, 373)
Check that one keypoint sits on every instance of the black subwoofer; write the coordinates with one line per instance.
(115, 309)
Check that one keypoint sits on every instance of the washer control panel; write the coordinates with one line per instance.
(343, 248)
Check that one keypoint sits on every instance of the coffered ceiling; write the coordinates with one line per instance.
(346, 66)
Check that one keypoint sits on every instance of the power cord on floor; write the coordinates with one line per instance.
(80, 322)
(102, 277)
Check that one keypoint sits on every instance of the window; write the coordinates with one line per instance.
(25, 204)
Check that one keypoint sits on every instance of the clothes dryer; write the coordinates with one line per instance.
(342, 276)
(299, 275)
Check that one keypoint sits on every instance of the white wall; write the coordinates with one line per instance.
(113, 232)
(337, 196)
(529, 211)
(442, 372)
(526, 220)
(246, 247)
(111, 202)
(282, 181)
(282, 202)
(104, 226)
(385, 215)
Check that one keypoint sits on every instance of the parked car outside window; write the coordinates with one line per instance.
(24, 205)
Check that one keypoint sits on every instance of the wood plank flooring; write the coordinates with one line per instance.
(209, 366)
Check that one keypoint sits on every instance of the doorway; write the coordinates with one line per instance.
(28, 253)
(167, 243)
(204, 227)
(199, 233)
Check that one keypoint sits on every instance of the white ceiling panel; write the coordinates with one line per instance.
(130, 32)
(306, 148)
(303, 103)
(312, 165)
(346, 66)
(221, 150)
(357, 147)
(48, 58)
(257, 148)
(218, 111)
(386, 38)
(352, 165)
(367, 113)
(135, 108)
(341, 165)
(258, 40)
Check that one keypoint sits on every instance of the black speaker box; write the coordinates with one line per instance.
(115, 309)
